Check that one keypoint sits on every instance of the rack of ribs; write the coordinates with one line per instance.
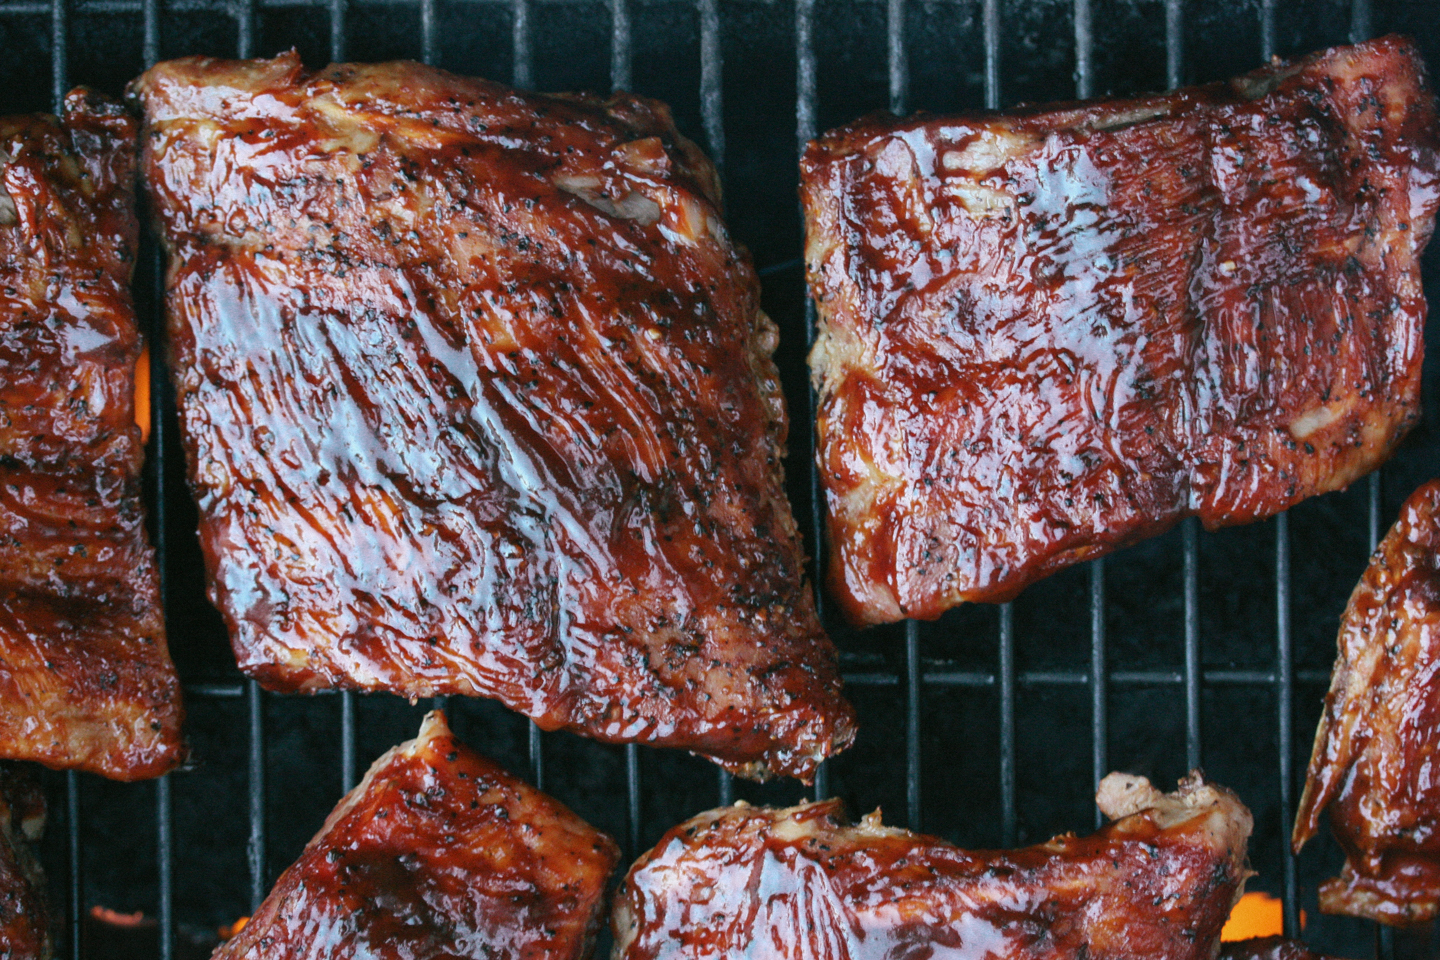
(438, 853)
(1373, 763)
(751, 882)
(1046, 334)
(86, 680)
(478, 399)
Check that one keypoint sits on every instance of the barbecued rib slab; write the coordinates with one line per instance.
(478, 399)
(86, 680)
(1047, 334)
(1375, 749)
(24, 917)
(437, 853)
(777, 884)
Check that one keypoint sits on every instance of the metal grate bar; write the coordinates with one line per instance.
(1360, 29)
(245, 38)
(427, 31)
(804, 132)
(1083, 47)
(1284, 653)
(347, 740)
(255, 850)
(1190, 545)
(59, 52)
(898, 69)
(1190, 528)
(1084, 84)
(913, 684)
(896, 61)
(1285, 707)
(537, 757)
(77, 884)
(1099, 679)
(150, 13)
(1174, 43)
(337, 30)
(632, 785)
(59, 82)
(521, 75)
(164, 839)
(990, 23)
(621, 58)
(712, 65)
(1007, 726)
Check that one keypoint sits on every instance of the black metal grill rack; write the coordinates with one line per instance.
(1087, 665)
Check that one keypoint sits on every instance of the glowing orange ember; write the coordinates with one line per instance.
(142, 394)
(229, 930)
(1256, 915)
(117, 919)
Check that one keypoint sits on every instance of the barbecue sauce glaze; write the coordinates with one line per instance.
(1375, 749)
(478, 399)
(1048, 334)
(86, 680)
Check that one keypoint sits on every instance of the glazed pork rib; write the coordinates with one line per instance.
(1373, 763)
(478, 399)
(437, 853)
(86, 680)
(1047, 334)
(798, 884)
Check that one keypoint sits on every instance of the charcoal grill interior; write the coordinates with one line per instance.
(989, 727)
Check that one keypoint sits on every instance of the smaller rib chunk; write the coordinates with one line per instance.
(437, 853)
(1049, 334)
(86, 680)
(1379, 735)
(24, 918)
(798, 883)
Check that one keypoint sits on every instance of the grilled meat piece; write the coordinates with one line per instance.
(1048, 334)
(86, 680)
(797, 883)
(478, 399)
(1373, 763)
(437, 853)
(1268, 948)
(24, 919)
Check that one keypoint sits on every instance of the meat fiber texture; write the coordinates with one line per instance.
(86, 680)
(478, 399)
(437, 853)
(799, 884)
(1373, 763)
(1050, 333)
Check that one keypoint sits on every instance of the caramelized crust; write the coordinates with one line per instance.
(1047, 334)
(1375, 749)
(478, 399)
(24, 917)
(437, 853)
(798, 884)
(86, 680)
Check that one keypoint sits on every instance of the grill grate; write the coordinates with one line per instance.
(913, 676)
